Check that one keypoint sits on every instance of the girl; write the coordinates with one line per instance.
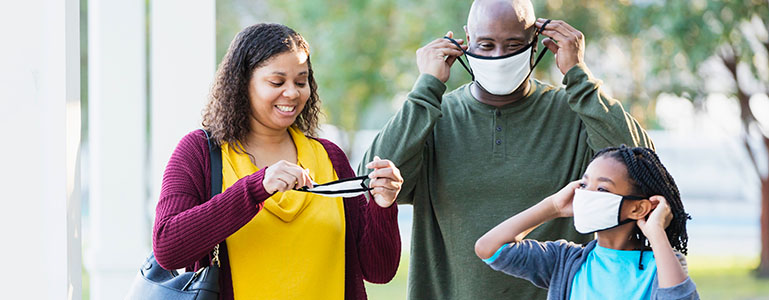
(631, 203)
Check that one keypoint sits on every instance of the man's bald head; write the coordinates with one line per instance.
(500, 21)
(522, 10)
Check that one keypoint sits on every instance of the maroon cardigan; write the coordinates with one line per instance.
(188, 225)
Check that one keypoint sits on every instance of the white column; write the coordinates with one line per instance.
(119, 232)
(39, 96)
(182, 65)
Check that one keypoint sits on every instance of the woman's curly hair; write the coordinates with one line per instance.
(227, 114)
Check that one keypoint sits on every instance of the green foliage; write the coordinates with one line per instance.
(363, 51)
(684, 34)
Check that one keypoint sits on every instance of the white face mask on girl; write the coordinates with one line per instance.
(596, 211)
(502, 75)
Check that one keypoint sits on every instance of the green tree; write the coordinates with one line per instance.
(683, 35)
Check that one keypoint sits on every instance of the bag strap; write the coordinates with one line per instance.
(215, 156)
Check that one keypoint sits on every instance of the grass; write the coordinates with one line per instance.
(395, 289)
(727, 278)
(716, 278)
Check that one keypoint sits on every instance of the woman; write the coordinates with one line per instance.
(274, 241)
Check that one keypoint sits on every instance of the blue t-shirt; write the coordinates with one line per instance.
(614, 274)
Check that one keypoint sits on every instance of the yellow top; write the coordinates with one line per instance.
(294, 247)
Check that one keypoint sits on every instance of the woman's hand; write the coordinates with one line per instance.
(284, 176)
(659, 218)
(562, 200)
(386, 181)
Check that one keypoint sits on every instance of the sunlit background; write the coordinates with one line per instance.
(95, 94)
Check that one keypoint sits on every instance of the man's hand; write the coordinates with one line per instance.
(567, 43)
(437, 57)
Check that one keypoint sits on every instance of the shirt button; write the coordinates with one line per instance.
(499, 113)
(499, 128)
(499, 142)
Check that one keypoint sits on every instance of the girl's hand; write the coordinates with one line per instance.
(562, 200)
(284, 176)
(386, 181)
(658, 219)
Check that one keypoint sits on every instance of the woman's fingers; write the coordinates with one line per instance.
(384, 197)
(285, 184)
(386, 183)
(283, 176)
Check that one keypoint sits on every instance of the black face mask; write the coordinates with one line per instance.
(347, 187)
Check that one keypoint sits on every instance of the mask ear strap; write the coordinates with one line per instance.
(541, 54)
(459, 58)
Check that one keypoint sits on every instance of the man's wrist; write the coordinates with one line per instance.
(576, 74)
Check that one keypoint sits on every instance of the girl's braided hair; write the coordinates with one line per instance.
(649, 177)
(226, 116)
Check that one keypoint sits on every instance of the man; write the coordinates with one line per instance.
(494, 147)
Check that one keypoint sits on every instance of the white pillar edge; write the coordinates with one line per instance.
(118, 239)
(182, 67)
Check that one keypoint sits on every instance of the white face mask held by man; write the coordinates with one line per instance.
(502, 75)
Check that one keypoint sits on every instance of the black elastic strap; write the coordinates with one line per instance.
(459, 58)
(541, 29)
(363, 189)
(541, 54)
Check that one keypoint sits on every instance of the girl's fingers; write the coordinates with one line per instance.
(659, 199)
